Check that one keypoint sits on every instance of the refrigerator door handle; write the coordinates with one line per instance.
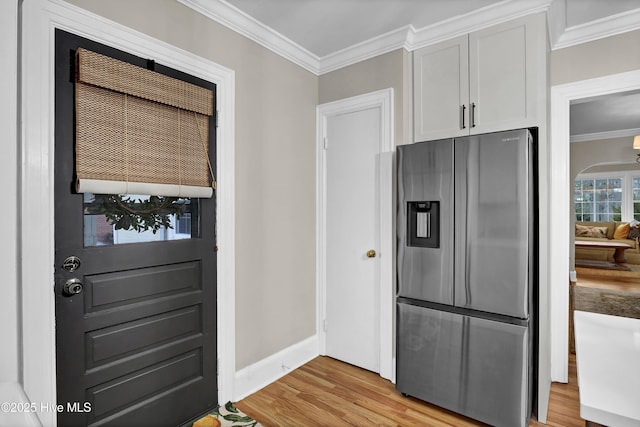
(461, 179)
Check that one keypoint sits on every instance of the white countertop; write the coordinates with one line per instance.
(608, 361)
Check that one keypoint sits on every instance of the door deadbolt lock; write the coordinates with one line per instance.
(371, 253)
(71, 264)
(72, 287)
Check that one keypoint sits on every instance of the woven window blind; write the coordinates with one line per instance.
(140, 132)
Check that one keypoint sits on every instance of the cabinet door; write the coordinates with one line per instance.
(441, 90)
(504, 74)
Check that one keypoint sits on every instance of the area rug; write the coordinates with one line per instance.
(226, 416)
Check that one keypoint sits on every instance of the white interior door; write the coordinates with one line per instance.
(353, 149)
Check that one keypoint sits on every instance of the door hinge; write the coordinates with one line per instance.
(324, 325)
(325, 143)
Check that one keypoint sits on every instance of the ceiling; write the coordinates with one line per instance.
(327, 26)
(324, 35)
(604, 117)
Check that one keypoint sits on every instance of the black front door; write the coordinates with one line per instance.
(136, 345)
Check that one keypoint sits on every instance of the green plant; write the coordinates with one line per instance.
(127, 213)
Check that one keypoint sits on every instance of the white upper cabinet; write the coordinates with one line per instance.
(441, 90)
(489, 80)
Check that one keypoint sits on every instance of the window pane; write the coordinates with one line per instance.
(600, 199)
(587, 196)
(615, 209)
(114, 220)
(577, 185)
(602, 195)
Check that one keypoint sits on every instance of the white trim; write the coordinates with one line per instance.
(240, 22)
(404, 37)
(475, 20)
(373, 47)
(556, 20)
(382, 100)
(262, 373)
(409, 38)
(12, 393)
(605, 135)
(598, 29)
(41, 18)
(559, 211)
(9, 313)
(387, 255)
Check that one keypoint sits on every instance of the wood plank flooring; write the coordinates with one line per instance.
(329, 393)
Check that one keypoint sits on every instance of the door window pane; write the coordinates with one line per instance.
(115, 220)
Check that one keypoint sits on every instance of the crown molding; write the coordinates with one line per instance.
(405, 37)
(408, 37)
(379, 45)
(238, 21)
(600, 28)
(604, 135)
(475, 20)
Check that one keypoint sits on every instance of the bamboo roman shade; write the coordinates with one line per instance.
(139, 131)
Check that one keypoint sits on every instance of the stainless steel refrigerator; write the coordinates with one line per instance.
(467, 274)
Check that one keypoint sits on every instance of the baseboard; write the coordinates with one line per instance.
(262, 373)
(16, 409)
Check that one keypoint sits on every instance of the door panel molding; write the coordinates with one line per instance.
(36, 240)
(382, 100)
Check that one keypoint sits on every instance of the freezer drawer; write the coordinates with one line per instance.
(472, 366)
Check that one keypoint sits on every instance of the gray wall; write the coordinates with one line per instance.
(275, 171)
(611, 55)
(390, 70)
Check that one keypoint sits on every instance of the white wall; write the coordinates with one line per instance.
(613, 151)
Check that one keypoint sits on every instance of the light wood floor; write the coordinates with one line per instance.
(608, 279)
(329, 393)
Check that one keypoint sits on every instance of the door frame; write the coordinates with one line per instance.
(383, 101)
(559, 206)
(40, 18)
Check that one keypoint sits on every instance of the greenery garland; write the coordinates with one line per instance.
(126, 213)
